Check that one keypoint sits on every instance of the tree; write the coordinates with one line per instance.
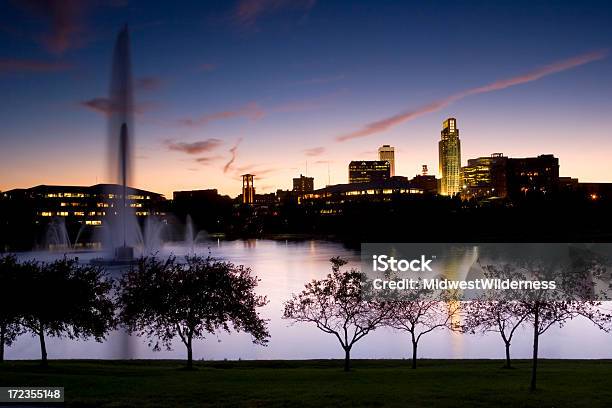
(65, 298)
(339, 305)
(572, 297)
(496, 310)
(421, 311)
(165, 299)
(9, 314)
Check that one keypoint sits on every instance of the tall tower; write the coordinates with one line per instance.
(450, 158)
(248, 189)
(387, 153)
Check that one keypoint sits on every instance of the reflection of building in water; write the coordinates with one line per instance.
(455, 264)
(249, 243)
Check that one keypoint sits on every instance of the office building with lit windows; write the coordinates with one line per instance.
(387, 153)
(485, 177)
(82, 209)
(87, 205)
(367, 171)
(532, 175)
(303, 184)
(449, 149)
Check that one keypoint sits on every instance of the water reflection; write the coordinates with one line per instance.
(284, 267)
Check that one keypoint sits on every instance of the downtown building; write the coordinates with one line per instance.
(368, 171)
(449, 151)
(498, 176)
(485, 177)
(387, 153)
(26, 213)
(303, 184)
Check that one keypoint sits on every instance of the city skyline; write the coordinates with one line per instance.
(204, 118)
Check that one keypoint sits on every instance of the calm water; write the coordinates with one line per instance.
(283, 268)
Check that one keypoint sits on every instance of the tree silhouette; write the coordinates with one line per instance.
(9, 296)
(498, 311)
(421, 311)
(339, 305)
(573, 297)
(165, 299)
(65, 298)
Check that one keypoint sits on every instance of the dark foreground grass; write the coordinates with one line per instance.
(372, 383)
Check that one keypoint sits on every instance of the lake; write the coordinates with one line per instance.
(284, 267)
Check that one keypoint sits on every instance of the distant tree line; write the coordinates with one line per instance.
(164, 299)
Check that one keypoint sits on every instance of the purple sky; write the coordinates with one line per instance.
(271, 87)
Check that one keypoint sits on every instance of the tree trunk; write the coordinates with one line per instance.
(43, 346)
(508, 365)
(536, 337)
(347, 359)
(189, 354)
(414, 354)
(2, 330)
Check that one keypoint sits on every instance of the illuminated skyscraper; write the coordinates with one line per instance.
(450, 158)
(387, 153)
(248, 189)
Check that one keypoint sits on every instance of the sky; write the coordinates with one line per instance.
(279, 88)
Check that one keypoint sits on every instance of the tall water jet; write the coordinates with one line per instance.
(123, 225)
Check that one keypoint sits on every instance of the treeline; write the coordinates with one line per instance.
(164, 299)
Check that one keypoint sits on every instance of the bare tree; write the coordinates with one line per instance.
(573, 295)
(339, 305)
(421, 311)
(167, 299)
(498, 311)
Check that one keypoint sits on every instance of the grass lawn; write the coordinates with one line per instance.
(372, 383)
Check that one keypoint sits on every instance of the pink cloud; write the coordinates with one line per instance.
(319, 80)
(251, 111)
(207, 67)
(148, 83)
(104, 106)
(65, 19)
(207, 160)
(249, 11)
(233, 151)
(315, 151)
(19, 65)
(195, 147)
(392, 121)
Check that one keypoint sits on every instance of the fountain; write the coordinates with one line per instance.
(56, 236)
(121, 234)
(124, 233)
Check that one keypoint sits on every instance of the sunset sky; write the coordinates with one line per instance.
(266, 86)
